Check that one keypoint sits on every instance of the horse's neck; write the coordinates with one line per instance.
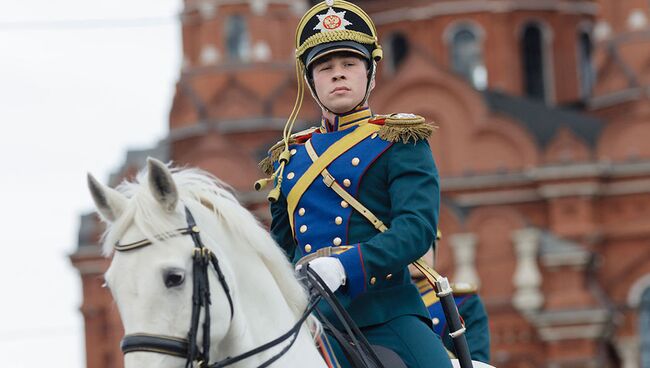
(262, 315)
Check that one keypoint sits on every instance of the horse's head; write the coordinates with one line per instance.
(153, 269)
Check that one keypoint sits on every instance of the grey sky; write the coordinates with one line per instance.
(81, 81)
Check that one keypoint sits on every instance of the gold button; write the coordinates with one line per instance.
(435, 321)
(338, 220)
(347, 182)
(301, 211)
(344, 204)
(355, 161)
(373, 280)
(373, 136)
(337, 241)
(303, 228)
(293, 151)
(308, 248)
(389, 276)
(290, 175)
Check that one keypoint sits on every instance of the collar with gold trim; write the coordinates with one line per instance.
(346, 121)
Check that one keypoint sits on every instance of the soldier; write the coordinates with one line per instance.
(357, 196)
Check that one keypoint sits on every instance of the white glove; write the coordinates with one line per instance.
(329, 269)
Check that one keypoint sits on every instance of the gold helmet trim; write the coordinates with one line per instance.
(340, 35)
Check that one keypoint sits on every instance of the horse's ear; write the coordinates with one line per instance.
(162, 184)
(109, 202)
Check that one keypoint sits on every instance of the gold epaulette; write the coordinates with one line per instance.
(266, 165)
(403, 127)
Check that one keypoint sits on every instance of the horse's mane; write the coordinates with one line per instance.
(199, 190)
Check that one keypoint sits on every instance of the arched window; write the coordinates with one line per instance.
(532, 49)
(398, 49)
(237, 38)
(644, 328)
(467, 57)
(585, 65)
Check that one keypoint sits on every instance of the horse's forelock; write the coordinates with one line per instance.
(197, 187)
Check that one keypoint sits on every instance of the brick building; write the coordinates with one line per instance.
(542, 147)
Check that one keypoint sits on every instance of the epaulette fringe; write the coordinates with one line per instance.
(266, 165)
(405, 129)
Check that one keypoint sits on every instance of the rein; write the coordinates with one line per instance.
(201, 300)
(353, 343)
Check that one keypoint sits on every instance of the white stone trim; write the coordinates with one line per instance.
(572, 317)
(602, 31)
(628, 348)
(208, 8)
(527, 278)
(575, 258)
(615, 98)
(637, 20)
(637, 290)
(571, 332)
(627, 187)
(482, 181)
(259, 7)
(571, 171)
(95, 267)
(209, 55)
(477, 6)
(569, 190)
(464, 250)
(473, 26)
(497, 197)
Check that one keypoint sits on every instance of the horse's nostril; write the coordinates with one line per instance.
(173, 278)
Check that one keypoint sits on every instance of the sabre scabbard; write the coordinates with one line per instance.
(456, 328)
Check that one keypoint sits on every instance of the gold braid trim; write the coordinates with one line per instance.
(404, 129)
(274, 155)
(333, 36)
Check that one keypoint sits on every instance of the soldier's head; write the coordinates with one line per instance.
(337, 50)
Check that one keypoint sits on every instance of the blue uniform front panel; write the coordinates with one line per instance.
(321, 219)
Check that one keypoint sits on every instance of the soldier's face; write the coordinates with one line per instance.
(340, 82)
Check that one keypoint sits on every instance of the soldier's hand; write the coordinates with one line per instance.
(329, 269)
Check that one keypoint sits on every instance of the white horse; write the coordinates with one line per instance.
(258, 300)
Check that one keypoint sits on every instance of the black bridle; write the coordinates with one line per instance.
(187, 347)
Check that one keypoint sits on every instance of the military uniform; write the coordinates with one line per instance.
(383, 162)
(395, 180)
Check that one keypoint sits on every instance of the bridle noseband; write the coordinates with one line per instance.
(202, 258)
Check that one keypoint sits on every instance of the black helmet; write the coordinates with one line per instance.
(334, 26)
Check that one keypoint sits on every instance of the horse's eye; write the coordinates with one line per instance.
(173, 277)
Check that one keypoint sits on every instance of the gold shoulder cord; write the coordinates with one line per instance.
(277, 176)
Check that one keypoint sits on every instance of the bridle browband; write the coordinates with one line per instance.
(187, 347)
